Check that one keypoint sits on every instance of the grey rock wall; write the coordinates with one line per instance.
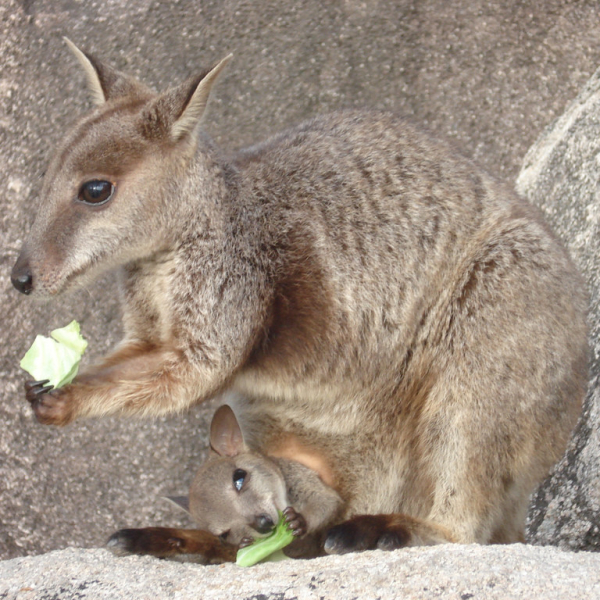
(561, 174)
(488, 74)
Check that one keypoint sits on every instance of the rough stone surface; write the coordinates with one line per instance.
(449, 572)
(488, 74)
(561, 174)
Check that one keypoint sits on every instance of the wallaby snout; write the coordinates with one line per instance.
(263, 523)
(21, 276)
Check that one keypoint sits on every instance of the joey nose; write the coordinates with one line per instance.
(21, 277)
(263, 523)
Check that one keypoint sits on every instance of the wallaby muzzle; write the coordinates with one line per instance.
(21, 276)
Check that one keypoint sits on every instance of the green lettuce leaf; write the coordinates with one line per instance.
(262, 548)
(56, 359)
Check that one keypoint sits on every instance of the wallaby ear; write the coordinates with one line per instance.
(225, 434)
(105, 83)
(195, 93)
(182, 502)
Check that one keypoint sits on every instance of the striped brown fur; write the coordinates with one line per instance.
(362, 288)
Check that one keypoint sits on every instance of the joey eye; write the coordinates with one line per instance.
(239, 476)
(96, 192)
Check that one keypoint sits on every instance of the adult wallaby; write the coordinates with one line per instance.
(412, 326)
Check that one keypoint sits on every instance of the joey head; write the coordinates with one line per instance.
(238, 494)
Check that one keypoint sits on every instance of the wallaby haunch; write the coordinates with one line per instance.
(393, 317)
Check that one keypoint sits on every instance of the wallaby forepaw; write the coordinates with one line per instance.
(35, 389)
(50, 406)
(296, 522)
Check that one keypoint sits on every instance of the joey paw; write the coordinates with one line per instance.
(51, 406)
(295, 521)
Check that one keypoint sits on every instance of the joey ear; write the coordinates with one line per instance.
(105, 83)
(225, 434)
(182, 502)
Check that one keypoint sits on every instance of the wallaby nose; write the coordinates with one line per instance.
(263, 524)
(21, 277)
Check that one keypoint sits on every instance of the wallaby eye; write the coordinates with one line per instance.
(239, 476)
(96, 192)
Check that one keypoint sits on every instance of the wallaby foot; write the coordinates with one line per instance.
(193, 545)
(382, 532)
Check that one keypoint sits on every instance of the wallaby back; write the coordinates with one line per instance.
(376, 299)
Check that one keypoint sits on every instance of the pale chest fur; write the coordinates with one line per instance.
(147, 306)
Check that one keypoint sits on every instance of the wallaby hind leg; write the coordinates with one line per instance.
(383, 532)
(190, 545)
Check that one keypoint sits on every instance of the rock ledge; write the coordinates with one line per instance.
(450, 571)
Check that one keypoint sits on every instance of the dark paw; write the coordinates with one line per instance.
(190, 545)
(367, 532)
(50, 406)
(34, 390)
(295, 521)
(348, 537)
(143, 541)
(393, 540)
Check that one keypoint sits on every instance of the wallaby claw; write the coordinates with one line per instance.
(247, 541)
(35, 389)
(295, 521)
(50, 405)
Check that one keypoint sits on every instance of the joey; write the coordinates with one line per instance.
(238, 494)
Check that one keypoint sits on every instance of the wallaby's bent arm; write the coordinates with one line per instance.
(149, 376)
(318, 503)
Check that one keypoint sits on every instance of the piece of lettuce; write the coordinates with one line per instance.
(56, 358)
(262, 548)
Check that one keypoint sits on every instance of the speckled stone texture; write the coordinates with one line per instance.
(561, 174)
(488, 74)
(448, 572)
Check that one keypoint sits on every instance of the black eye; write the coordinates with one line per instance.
(239, 475)
(96, 192)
